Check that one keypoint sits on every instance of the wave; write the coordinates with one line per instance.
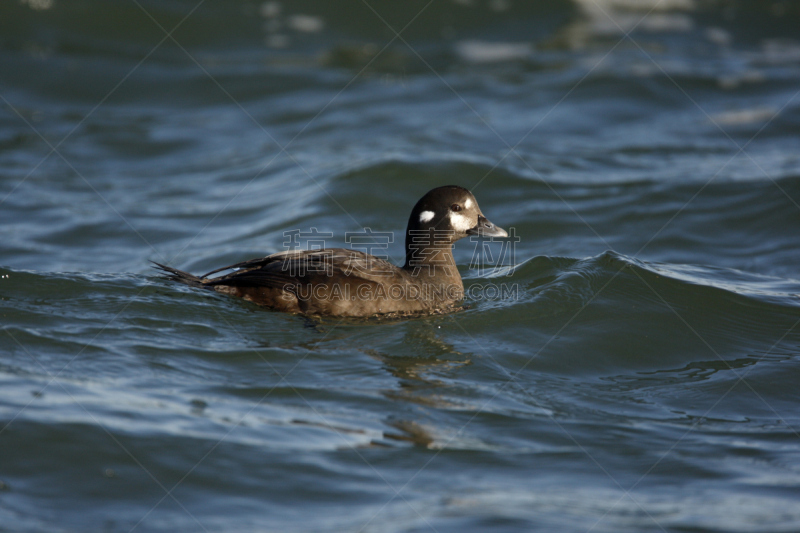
(632, 315)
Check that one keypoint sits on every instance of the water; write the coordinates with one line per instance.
(641, 375)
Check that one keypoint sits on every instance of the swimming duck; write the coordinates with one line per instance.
(350, 283)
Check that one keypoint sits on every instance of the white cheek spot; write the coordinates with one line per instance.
(468, 203)
(459, 222)
(426, 216)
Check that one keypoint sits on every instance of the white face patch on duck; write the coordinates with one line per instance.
(459, 222)
(468, 203)
(426, 216)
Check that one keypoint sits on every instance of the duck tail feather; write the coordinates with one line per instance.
(174, 274)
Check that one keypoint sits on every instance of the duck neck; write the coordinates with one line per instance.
(429, 255)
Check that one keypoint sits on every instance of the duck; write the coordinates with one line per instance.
(340, 282)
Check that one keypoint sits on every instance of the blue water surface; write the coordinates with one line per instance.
(628, 363)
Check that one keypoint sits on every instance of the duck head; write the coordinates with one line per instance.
(445, 215)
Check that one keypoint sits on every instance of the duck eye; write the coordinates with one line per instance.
(455, 207)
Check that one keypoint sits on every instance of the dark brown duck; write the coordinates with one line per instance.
(351, 283)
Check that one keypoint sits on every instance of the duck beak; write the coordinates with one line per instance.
(485, 228)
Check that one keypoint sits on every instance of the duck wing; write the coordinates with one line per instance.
(286, 270)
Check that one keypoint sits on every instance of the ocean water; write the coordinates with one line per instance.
(629, 362)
